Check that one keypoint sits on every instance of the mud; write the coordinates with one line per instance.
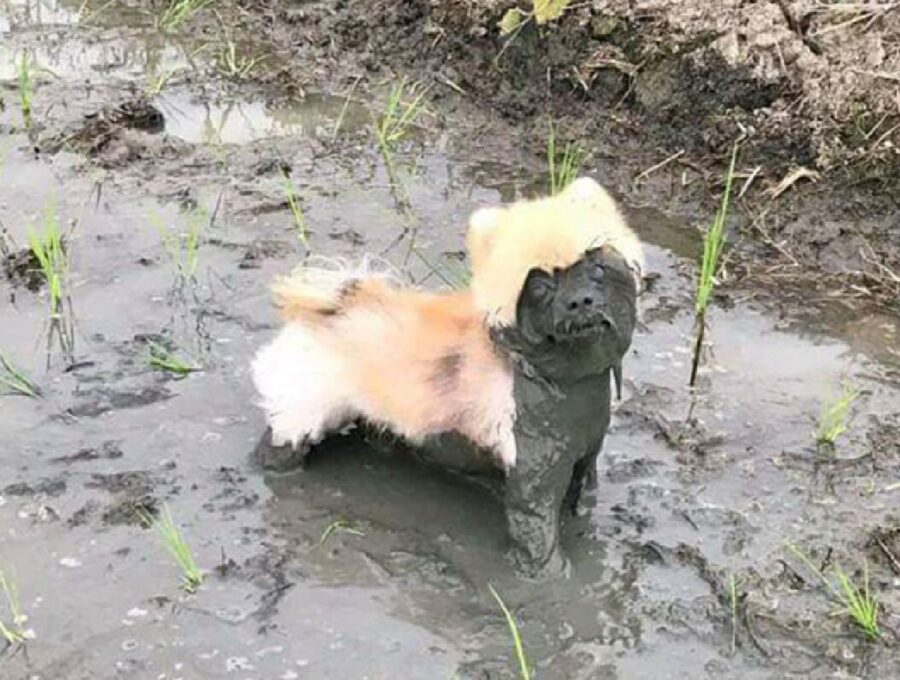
(692, 488)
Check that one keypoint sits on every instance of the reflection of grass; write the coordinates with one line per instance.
(858, 603)
(524, 670)
(290, 196)
(178, 548)
(713, 244)
(49, 249)
(13, 632)
(342, 526)
(163, 359)
(236, 65)
(16, 381)
(733, 597)
(833, 420)
(564, 167)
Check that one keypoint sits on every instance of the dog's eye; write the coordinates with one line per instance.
(541, 289)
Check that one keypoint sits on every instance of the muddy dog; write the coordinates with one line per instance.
(518, 366)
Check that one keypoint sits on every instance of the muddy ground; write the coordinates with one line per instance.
(139, 137)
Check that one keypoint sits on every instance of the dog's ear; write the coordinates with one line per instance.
(482, 229)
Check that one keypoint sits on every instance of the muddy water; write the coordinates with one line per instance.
(692, 490)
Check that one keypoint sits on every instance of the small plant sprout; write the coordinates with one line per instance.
(26, 87)
(176, 545)
(398, 116)
(524, 670)
(12, 629)
(710, 266)
(183, 249)
(342, 526)
(833, 421)
(49, 249)
(857, 603)
(179, 11)
(15, 381)
(562, 167)
(290, 196)
(162, 359)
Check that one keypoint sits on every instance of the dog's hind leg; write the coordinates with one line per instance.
(304, 393)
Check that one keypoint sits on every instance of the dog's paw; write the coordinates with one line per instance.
(276, 455)
(554, 566)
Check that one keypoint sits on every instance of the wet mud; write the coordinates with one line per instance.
(368, 563)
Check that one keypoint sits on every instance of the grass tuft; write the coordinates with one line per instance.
(710, 265)
(183, 249)
(26, 88)
(524, 670)
(14, 380)
(14, 631)
(178, 548)
(563, 167)
(49, 249)
(833, 419)
(399, 115)
(857, 603)
(179, 11)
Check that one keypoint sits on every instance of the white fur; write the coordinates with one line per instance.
(303, 387)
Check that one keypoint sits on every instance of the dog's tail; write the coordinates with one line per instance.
(325, 287)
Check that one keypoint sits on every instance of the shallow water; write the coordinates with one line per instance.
(688, 493)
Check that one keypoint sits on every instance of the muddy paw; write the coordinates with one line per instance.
(555, 566)
(279, 458)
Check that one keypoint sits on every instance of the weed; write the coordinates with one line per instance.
(176, 545)
(290, 196)
(339, 525)
(13, 632)
(183, 249)
(179, 11)
(833, 419)
(713, 244)
(398, 116)
(26, 88)
(858, 603)
(16, 381)
(524, 670)
(161, 358)
(563, 168)
(50, 251)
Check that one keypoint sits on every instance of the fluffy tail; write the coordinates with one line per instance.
(324, 287)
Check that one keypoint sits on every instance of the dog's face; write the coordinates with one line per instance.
(575, 321)
(557, 279)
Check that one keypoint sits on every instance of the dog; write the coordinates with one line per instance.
(519, 366)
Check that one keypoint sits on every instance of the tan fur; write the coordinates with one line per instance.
(423, 363)
(506, 242)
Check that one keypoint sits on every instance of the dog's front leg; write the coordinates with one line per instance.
(533, 495)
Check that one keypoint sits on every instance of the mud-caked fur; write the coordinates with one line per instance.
(518, 366)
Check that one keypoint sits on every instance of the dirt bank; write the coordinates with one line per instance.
(810, 89)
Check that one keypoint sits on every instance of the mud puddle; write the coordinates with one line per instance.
(367, 565)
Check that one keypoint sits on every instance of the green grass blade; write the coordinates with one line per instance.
(524, 670)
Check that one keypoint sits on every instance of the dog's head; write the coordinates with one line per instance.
(557, 279)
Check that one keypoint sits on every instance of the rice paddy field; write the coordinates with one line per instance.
(161, 162)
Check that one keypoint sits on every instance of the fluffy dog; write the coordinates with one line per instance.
(519, 366)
